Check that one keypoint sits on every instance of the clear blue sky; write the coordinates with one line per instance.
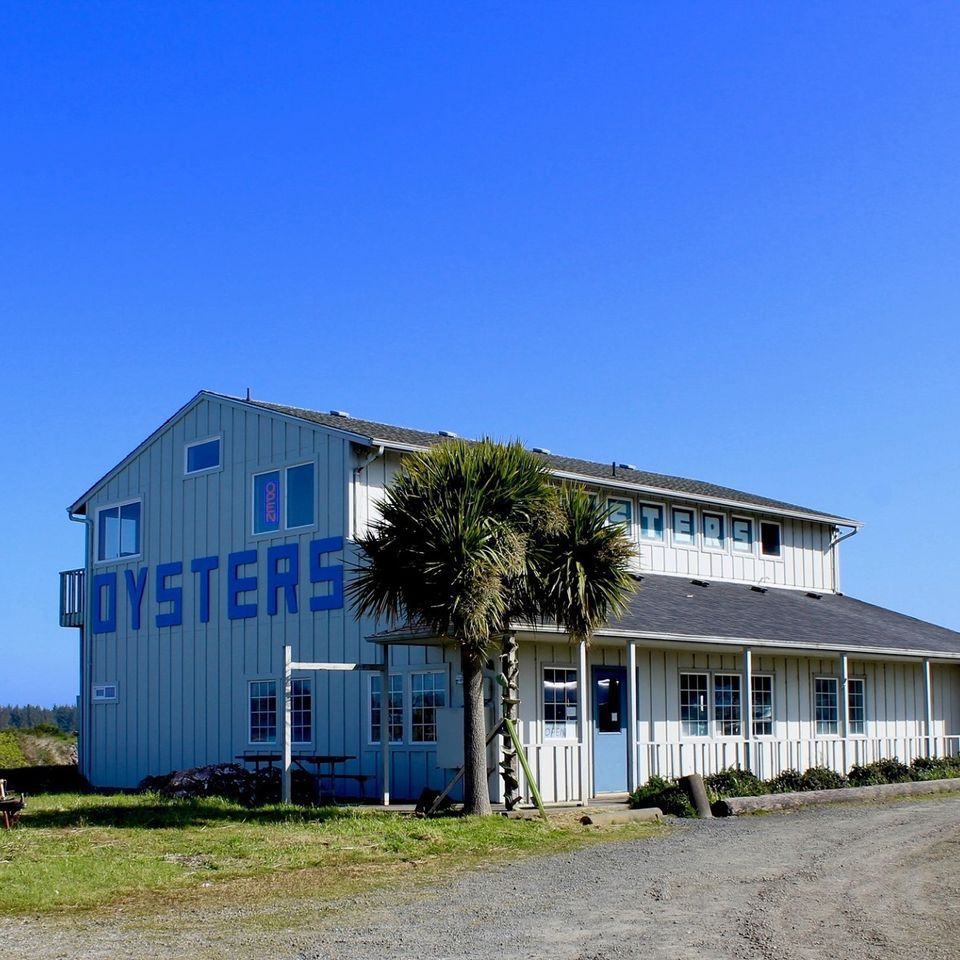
(715, 240)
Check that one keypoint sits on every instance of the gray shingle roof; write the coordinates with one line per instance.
(677, 607)
(404, 436)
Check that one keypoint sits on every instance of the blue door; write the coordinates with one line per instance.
(609, 729)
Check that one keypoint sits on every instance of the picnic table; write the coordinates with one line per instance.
(325, 765)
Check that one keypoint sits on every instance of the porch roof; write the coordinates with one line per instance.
(714, 611)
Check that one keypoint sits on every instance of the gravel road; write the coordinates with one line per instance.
(861, 882)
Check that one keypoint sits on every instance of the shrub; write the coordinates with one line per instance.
(822, 778)
(935, 768)
(887, 770)
(787, 781)
(668, 795)
(734, 783)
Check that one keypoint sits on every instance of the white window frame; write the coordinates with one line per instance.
(709, 705)
(723, 529)
(773, 706)
(713, 720)
(99, 692)
(284, 494)
(752, 548)
(385, 708)
(682, 544)
(293, 725)
(127, 557)
(863, 687)
(837, 705)
(420, 670)
(276, 711)
(199, 443)
(662, 507)
(542, 713)
(631, 522)
(760, 553)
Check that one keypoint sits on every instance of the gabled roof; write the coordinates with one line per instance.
(586, 470)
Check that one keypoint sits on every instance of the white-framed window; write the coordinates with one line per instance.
(713, 526)
(856, 706)
(263, 711)
(651, 521)
(620, 512)
(105, 693)
(118, 531)
(561, 703)
(301, 710)
(684, 527)
(694, 705)
(761, 698)
(395, 707)
(770, 538)
(201, 456)
(284, 498)
(741, 534)
(428, 692)
(826, 703)
(726, 704)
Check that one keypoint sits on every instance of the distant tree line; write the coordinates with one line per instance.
(24, 718)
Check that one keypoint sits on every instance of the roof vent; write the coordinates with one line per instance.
(339, 413)
(447, 433)
(627, 466)
(757, 589)
(543, 450)
(814, 596)
(700, 583)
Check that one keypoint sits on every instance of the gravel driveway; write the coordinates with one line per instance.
(857, 882)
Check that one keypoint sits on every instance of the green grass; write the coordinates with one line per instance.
(76, 852)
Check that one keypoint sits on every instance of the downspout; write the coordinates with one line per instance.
(85, 689)
(836, 556)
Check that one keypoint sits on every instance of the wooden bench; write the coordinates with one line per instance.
(10, 807)
(361, 778)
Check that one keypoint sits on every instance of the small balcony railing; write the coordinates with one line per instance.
(71, 598)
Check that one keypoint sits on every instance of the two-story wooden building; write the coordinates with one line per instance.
(227, 535)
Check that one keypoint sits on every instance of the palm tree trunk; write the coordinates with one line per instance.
(476, 793)
(509, 765)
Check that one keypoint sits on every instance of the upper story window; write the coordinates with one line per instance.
(684, 529)
(201, 456)
(284, 499)
(714, 535)
(118, 531)
(741, 533)
(651, 521)
(620, 511)
(770, 539)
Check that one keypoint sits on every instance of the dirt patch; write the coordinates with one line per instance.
(864, 882)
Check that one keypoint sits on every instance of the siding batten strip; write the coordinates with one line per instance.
(582, 732)
(632, 783)
(747, 701)
(927, 705)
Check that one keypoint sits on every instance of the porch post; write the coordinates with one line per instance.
(285, 791)
(582, 732)
(632, 773)
(747, 707)
(844, 693)
(385, 722)
(928, 706)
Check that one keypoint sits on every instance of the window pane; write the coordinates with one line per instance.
(762, 706)
(560, 698)
(396, 708)
(266, 502)
(683, 526)
(620, 511)
(301, 711)
(263, 711)
(609, 707)
(130, 529)
(726, 704)
(742, 531)
(203, 456)
(713, 535)
(651, 522)
(693, 704)
(300, 496)
(825, 705)
(427, 692)
(770, 539)
(109, 534)
(856, 706)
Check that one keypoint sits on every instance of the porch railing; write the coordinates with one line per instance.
(71, 598)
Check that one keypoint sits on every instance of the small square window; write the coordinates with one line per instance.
(714, 536)
(684, 531)
(104, 692)
(741, 533)
(201, 456)
(620, 512)
(651, 522)
(118, 531)
(770, 539)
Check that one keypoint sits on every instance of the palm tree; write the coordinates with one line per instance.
(474, 537)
